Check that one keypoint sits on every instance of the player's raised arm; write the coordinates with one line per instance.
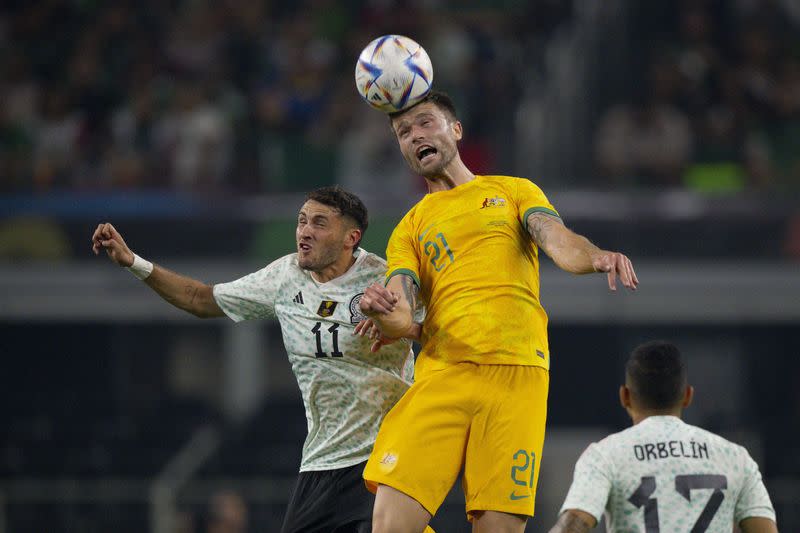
(392, 307)
(576, 254)
(574, 521)
(183, 292)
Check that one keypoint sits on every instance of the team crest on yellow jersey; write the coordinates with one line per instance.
(497, 201)
(326, 308)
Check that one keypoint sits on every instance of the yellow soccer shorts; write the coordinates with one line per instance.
(487, 419)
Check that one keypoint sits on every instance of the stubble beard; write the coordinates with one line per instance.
(446, 156)
(325, 259)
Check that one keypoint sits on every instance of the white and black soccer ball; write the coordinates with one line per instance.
(393, 73)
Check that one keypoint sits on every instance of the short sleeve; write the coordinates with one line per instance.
(531, 199)
(252, 296)
(401, 252)
(591, 484)
(753, 500)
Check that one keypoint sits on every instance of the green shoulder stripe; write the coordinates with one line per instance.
(538, 210)
(403, 272)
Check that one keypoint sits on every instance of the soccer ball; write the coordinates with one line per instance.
(393, 73)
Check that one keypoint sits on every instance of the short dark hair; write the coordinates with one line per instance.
(440, 99)
(348, 204)
(656, 374)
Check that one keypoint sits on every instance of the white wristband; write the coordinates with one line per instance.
(141, 268)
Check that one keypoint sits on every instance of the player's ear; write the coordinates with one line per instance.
(625, 396)
(352, 237)
(458, 131)
(688, 396)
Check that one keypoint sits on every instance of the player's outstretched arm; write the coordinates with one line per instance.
(183, 292)
(574, 521)
(758, 524)
(392, 307)
(576, 254)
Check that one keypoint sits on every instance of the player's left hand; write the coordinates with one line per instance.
(616, 264)
(377, 300)
(370, 329)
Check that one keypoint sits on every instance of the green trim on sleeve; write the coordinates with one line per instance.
(538, 210)
(404, 272)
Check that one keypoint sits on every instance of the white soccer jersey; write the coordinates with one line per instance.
(346, 389)
(663, 475)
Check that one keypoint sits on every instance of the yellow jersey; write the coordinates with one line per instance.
(477, 268)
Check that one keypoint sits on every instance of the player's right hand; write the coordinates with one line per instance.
(377, 300)
(616, 264)
(106, 237)
(370, 329)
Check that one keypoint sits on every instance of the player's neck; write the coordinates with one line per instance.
(454, 174)
(638, 416)
(334, 270)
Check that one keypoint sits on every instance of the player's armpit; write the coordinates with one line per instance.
(574, 521)
(758, 524)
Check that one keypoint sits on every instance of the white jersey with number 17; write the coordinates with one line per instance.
(663, 475)
(346, 389)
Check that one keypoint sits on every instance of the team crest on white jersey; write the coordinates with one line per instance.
(356, 315)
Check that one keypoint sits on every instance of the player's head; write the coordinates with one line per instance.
(227, 513)
(655, 381)
(330, 225)
(428, 133)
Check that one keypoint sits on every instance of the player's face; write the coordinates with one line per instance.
(320, 235)
(427, 139)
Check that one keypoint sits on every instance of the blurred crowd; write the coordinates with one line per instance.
(258, 96)
(237, 95)
(715, 100)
